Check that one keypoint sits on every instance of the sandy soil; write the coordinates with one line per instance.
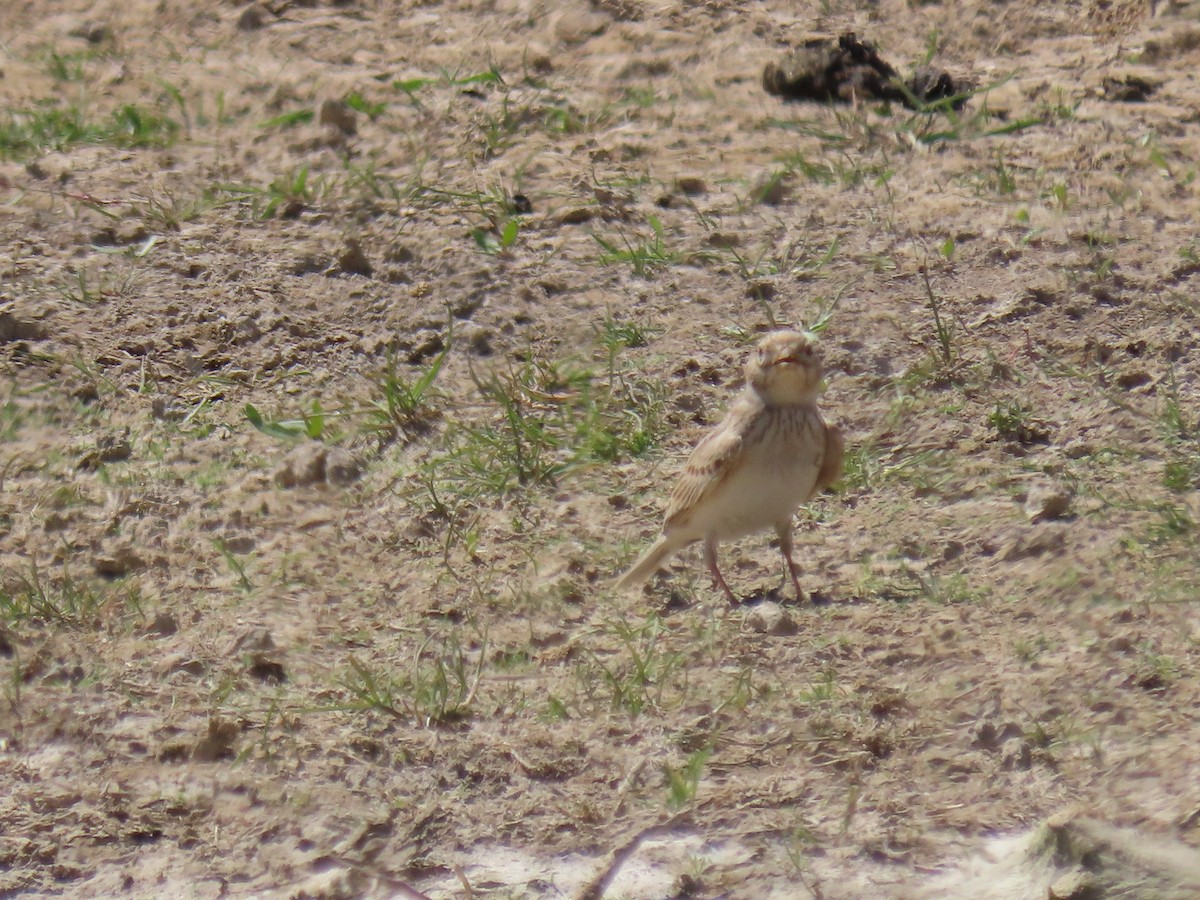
(370, 647)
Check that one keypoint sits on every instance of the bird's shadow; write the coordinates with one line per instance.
(677, 601)
(783, 598)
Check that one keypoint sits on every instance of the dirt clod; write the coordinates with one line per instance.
(353, 260)
(304, 465)
(850, 69)
(14, 328)
(218, 742)
(253, 17)
(769, 617)
(1048, 500)
(336, 114)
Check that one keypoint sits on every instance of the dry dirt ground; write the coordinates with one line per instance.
(347, 352)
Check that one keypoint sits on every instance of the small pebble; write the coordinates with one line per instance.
(769, 617)
(1047, 501)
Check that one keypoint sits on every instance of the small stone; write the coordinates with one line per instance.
(267, 668)
(1078, 450)
(93, 32)
(14, 329)
(336, 114)
(772, 190)
(1035, 542)
(240, 544)
(217, 743)
(1133, 378)
(478, 338)
(253, 17)
(724, 240)
(1047, 501)
(577, 215)
(574, 26)
(341, 467)
(1016, 756)
(117, 563)
(338, 883)
(428, 345)
(1121, 644)
(1078, 884)
(302, 466)
(352, 260)
(164, 625)
(109, 448)
(771, 618)
(256, 638)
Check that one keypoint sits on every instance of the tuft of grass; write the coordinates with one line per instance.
(367, 183)
(63, 601)
(545, 419)
(684, 782)
(236, 566)
(411, 86)
(438, 689)
(288, 195)
(359, 103)
(645, 255)
(401, 407)
(860, 467)
(12, 418)
(493, 243)
(942, 328)
(617, 335)
(523, 441)
(311, 423)
(638, 675)
(287, 119)
(51, 126)
(501, 213)
(1174, 521)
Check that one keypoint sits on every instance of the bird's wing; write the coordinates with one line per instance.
(709, 466)
(831, 461)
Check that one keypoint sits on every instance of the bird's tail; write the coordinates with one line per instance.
(662, 550)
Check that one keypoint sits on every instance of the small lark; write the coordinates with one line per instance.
(771, 453)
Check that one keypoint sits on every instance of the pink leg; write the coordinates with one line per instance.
(785, 545)
(710, 557)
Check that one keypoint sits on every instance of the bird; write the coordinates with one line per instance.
(771, 453)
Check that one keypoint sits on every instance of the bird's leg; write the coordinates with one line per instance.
(710, 558)
(784, 530)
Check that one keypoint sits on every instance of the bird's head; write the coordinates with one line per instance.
(785, 368)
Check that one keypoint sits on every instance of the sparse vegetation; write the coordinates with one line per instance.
(51, 126)
(321, 443)
(644, 255)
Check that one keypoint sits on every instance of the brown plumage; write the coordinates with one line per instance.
(771, 453)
